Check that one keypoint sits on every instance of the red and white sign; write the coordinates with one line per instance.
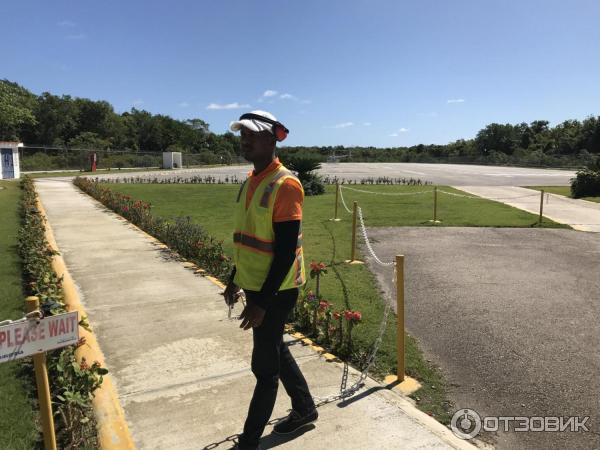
(21, 339)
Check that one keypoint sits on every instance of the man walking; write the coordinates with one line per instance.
(269, 267)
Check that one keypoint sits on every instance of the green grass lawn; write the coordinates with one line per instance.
(18, 428)
(562, 190)
(347, 286)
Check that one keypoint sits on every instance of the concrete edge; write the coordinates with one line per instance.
(113, 431)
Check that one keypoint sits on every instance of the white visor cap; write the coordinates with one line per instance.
(254, 124)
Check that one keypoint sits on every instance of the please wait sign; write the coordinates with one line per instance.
(21, 339)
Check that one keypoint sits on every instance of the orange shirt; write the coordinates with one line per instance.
(288, 203)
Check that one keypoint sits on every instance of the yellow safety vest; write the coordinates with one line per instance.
(254, 236)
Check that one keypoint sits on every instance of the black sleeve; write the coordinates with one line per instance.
(284, 249)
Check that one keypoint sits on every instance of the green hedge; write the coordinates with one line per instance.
(72, 381)
(586, 184)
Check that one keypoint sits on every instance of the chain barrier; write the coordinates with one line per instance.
(343, 202)
(368, 243)
(346, 392)
(385, 193)
(486, 198)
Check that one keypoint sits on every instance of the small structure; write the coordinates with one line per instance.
(9, 160)
(172, 160)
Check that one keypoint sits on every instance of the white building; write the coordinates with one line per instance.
(9, 160)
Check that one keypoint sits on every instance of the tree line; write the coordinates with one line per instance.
(71, 122)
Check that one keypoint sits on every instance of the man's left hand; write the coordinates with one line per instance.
(252, 316)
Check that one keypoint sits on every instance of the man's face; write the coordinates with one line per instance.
(256, 146)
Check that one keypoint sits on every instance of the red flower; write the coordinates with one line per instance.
(352, 316)
(323, 305)
(336, 315)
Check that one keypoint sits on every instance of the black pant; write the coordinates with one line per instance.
(272, 361)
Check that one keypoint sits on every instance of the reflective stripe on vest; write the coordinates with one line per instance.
(298, 277)
(241, 190)
(258, 244)
(264, 201)
(253, 242)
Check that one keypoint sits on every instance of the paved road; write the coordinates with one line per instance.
(511, 316)
(443, 174)
(579, 214)
(181, 368)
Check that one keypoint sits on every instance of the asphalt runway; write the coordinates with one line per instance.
(443, 174)
(510, 316)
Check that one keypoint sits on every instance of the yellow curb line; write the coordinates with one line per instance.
(307, 341)
(113, 432)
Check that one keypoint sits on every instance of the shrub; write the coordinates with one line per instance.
(586, 183)
(72, 382)
(305, 166)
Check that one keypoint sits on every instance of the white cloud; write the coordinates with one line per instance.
(137, 102)
(184, 104)
(397, 133)
(76, 37)
(66, 23)
(342, 125)
(270, 93)
(367, 124)
(287, 96)
(456, 100)
(235, 105)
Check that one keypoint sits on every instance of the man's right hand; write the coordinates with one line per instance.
(231, 293)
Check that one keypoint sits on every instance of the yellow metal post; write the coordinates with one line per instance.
(41, 379)
(337, 197)
(435, 204)
(400, 314)
(541, 207)
(353, 253)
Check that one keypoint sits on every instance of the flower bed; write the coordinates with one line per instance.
(188, 239)
(210, 179)
(315, 315)
(72, 381)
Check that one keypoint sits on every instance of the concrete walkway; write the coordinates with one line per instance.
(181, 368)
(579, 214)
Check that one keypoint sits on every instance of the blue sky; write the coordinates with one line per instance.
(354, 72)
